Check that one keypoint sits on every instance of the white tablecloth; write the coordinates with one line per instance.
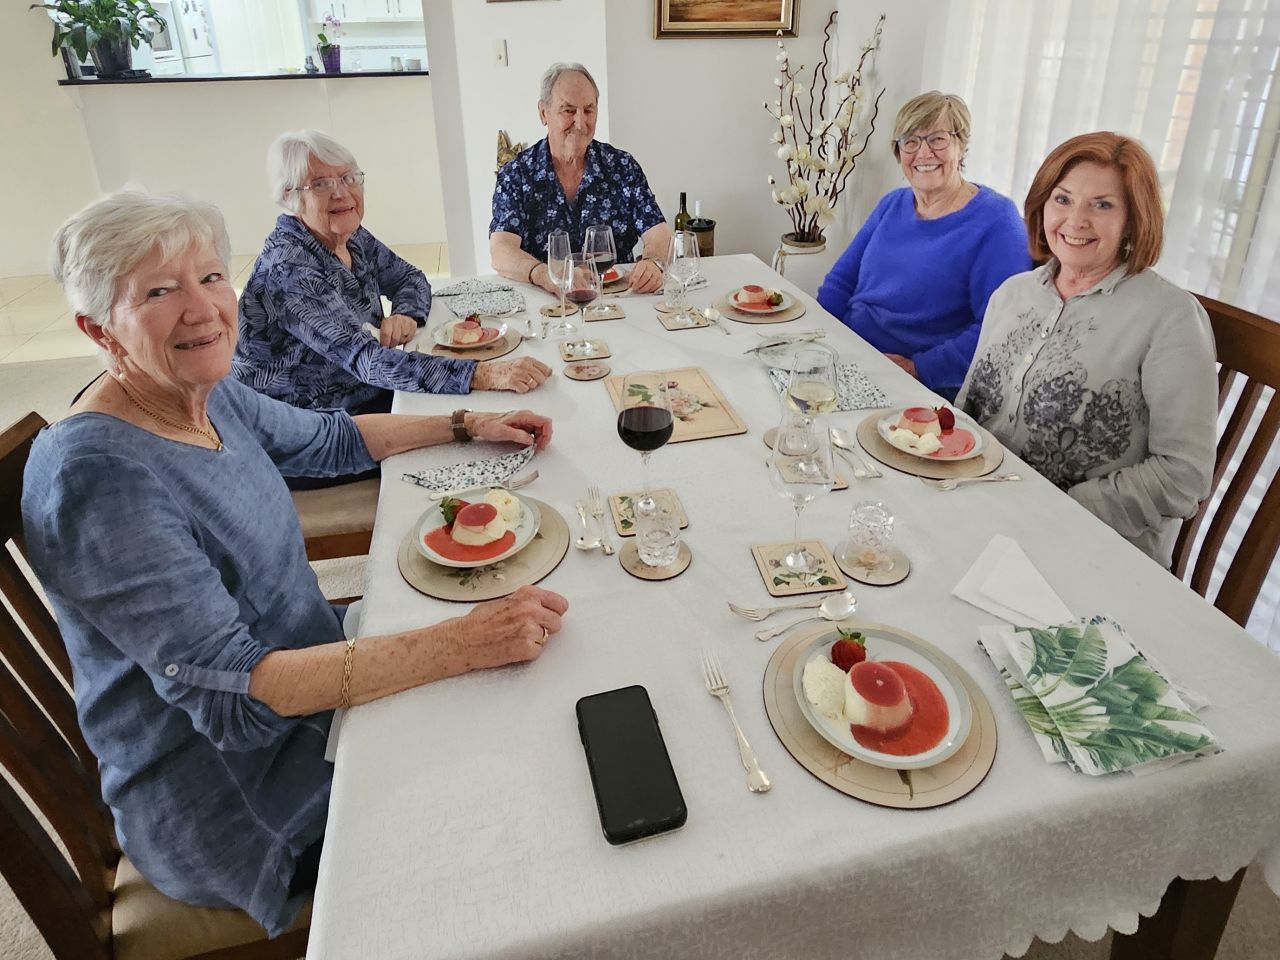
(462, 822)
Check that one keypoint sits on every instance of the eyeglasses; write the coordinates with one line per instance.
(329, 185)
(937, 142)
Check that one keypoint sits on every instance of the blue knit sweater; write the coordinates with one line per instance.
(920, 287)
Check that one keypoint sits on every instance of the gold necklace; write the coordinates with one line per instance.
(207, 434)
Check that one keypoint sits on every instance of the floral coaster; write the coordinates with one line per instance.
(610, 311)
(586, 370)
(674, 321)
(629, 557)
(781, 582)
(622, 507)
(584, 350)
(876, 570)
(700, 410)
(553, 310)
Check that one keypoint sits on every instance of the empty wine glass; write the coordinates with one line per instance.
(811, 388)
(801, 469)
(681, 267)
(558, 249)
(598, 242)
(584, 281)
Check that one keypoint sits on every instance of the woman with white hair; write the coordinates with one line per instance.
(570, 181)
(321, 277)
(206, 660)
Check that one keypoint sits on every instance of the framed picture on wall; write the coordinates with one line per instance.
(724, 18)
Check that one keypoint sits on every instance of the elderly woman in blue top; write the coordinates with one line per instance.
(320, 278)
(915, 281)
(570, 181)
(206, 661)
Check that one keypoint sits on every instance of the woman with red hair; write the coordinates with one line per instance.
(1092, 367)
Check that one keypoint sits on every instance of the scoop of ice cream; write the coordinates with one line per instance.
(466, 331)
(907, 440)
(508, 507)
(824, 684)
(875, 697)
(477, 525)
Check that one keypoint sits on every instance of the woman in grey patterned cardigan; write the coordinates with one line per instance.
(1093, 368)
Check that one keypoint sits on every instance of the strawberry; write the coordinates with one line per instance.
(450, 506)
(850, 649)
(946, 418)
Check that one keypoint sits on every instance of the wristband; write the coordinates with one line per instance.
(458, 424)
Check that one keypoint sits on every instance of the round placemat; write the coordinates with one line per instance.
(499, 348)
(472, 584)
(990, 458)
(629, 557)
(876, 577)
(933, 786)
(730, 312)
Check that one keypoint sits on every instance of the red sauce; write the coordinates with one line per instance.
(929, 721)
(955, 443)
(442, 543)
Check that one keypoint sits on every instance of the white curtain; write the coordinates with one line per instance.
(1195, 81)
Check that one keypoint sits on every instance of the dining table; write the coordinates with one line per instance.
(462, 822)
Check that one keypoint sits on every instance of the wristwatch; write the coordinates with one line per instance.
(458, 423)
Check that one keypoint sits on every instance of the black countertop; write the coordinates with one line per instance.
(223, 77)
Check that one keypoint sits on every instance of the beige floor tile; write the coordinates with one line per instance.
(34, 320)
(53, 345)
(13, 287)
(11, 342)
(46, 295)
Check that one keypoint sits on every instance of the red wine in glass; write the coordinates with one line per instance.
(645, 428)
(581, 296)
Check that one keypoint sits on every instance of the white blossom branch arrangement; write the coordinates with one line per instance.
(818, 137)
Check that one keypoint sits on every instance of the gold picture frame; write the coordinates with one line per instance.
(723, 18)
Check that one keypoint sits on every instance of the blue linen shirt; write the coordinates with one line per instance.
(173, 570)
(302, 314)
(919, 288)
(529, 201)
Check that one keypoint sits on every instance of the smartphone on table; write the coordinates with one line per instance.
(635, 785)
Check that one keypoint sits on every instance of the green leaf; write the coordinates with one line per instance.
(778, 582)
(1127, 741)
(449, 508)
(825, 580)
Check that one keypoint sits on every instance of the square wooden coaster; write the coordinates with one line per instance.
(622, 507)
(671, 321)
(611, 311)
(584, 350)
(781, 582)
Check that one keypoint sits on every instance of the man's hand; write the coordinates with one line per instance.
(905, 363)
(520, 376)
(517, 426)
(646, 277)
(397, 329)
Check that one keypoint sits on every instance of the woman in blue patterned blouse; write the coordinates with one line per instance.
(320, 278)
(569, 181)
(206, 660)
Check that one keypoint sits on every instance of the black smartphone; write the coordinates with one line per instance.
(636, 789)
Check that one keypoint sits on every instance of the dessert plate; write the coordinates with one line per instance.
(433, 518)
(884, 644)
(490, 333)
(964, 427)
(788, 301)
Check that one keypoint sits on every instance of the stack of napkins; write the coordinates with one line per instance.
(853, 390)
(475, 473)
(1090, 696)
(483, 297)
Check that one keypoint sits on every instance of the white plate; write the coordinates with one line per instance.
(530, 519)
(884, 644)
(441, 335)
(787, 301)
(890, 420)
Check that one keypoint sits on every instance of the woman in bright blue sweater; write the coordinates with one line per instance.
(915, 281)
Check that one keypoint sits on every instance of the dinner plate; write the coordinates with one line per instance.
(433, 518)
(890, 420)
(885, 644)
(441, 335)
(765, 308)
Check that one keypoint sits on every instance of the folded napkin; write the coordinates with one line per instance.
(768, 340)
(475, 473)
(853, 390)
(464, 287)
(1092, 700)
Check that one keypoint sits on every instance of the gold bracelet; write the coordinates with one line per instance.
(344, 700)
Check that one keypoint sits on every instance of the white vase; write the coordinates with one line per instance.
(804, 263)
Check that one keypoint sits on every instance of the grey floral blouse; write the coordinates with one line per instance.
(1112, 395)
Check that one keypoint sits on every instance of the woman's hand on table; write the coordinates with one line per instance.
(520, 376)
(511, 630)
(396, 330)
(517, 426)
(646, 277)
(906, 363)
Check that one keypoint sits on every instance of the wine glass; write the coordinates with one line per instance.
(682, 266)
(584, 281)
(811, 388)
(801, 469)
(599, 243)
(645, 422)
(558, 248)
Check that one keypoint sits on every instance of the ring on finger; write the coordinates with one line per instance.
(545, 633)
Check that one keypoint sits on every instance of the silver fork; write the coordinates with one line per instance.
(952, 482)
(763, 613)
(713, 677)
(596, 506)
(514, 484)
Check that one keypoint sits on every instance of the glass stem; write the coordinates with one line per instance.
(644, 459)
(563, 289)
(799, 507)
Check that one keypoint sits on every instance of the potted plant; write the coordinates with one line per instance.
(330, 53)
(107, 30)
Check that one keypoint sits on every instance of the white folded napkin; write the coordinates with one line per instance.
(474, 473)
(1004, 583)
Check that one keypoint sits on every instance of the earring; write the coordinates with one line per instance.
(1126, 248)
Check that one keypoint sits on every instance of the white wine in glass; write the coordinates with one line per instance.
(811, 388)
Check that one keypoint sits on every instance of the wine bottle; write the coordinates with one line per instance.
(682, 218)
(704, 229)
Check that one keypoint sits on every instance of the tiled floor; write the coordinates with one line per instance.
(35, 323)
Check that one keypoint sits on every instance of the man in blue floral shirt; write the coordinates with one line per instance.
(568, 181)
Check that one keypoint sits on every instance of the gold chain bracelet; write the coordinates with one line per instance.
(344, 699)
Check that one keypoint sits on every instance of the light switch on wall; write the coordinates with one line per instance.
(500, 52)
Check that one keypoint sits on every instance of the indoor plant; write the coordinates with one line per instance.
(819, 136)
(103, 29)
(330, 53)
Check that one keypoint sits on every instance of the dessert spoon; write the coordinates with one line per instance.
(582, 543)
(840, 437)
(712, 316)
(835, 607)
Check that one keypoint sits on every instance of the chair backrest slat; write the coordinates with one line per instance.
(34, 614)
(1252, 561)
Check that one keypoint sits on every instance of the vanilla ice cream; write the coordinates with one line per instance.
(509, 508)
(907, 440)
(824, 684)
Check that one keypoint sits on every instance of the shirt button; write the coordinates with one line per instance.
(1017, 388)
(1011, 418)
(171, 670)
(1028, 358)
(1044, 333)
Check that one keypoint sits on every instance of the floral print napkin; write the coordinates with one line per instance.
(1092, 700)
(853, 390)
(476, 473)
(483, 297)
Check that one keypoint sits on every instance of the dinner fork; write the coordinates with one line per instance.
(514, 484)
(950, 483)
(718, 687)
(596, 507)
(763, 613)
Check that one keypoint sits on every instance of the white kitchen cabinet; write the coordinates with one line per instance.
(394, 9)
(348, 11)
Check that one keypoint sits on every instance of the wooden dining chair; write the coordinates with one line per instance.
(86, 898)
(1249, 358)
(337, 521)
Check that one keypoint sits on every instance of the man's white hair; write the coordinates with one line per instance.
(99, 246)
(555, 72)
(289, 157)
